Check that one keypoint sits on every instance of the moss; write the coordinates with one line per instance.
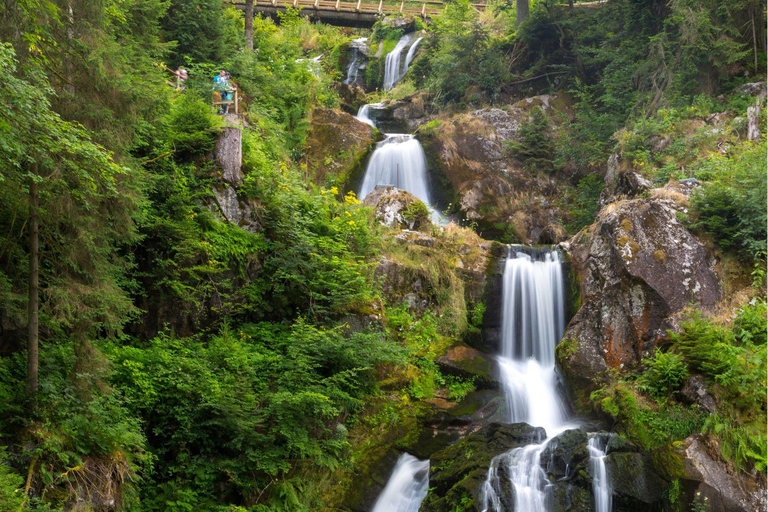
(659, 256)
(622, 240)
(626, 225)
(566, 348)
(669, 461)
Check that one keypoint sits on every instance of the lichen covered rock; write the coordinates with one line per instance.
(490, 186)
(397, 208)
(638, 266)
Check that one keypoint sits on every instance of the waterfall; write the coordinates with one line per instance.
(392, 63)
(364, 113)
(407, 486)
(358, 59)
(398, 161)
(411, 53)
(601, 485)
(533, 319)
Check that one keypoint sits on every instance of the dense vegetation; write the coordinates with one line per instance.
(190, 362)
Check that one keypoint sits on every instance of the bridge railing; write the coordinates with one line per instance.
(424, 8)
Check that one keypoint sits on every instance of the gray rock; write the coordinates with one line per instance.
(695, 390)
(390, 204)
(757, 89)
(229, 154)
(634, 478)
(638, 265)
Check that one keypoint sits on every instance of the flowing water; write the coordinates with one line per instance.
(398, 161)
(364, 113)
(533, 319)
(407, 486)
(357, 61)
(392, 64)
(411, 53)
(601, 482)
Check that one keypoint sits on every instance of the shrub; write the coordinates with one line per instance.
(665, 372)
(534, 145)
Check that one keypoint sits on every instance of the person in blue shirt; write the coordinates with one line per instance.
(221, 86)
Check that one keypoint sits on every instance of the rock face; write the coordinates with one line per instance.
(469, 363)
(638, 266)
(229, 154)
(336, 147)
(457, 473)
(245, 214)
(621, 183)
(396, 208)
(403, 115)
(493, 188)
(703, 476)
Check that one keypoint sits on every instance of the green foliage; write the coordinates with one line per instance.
(232, 413)
(11, 486)
(649, 425)
(192, 127)
(732, 206)
(204, 31)
(665, 372)
(416, 215)
(534, 143)
(735, 360)
(583, 202)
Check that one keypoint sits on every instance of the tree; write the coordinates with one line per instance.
(522, 9)
(80, 200)
(249, 24)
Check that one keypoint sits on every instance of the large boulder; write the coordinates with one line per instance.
(638, 266)
(397, 208)
(490, 187)
(403, 115)
(337, 145)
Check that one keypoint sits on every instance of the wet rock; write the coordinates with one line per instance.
(570, 498)
(352, 97)
(457, 472)
(469, 363)
(634, 478)
(564, 454)
(394, 208)
(403, 115)
(695, 390)
(638, 265)
(337, 145)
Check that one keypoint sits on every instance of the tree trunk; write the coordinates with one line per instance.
(753, 122)
(34, 275)
(522, 9)
(249, 24)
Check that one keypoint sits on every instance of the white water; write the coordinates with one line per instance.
(363, 114)
(533, 319)
(407, 486)
(411, 53)
(392, 66)
(601, 482)
(353, 68)
(398, 161)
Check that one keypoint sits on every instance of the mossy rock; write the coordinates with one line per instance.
(565, 453)
(457, 472)
(463, 361)
(634, 478)
(570, 498)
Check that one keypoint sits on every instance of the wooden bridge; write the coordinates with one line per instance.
(353, 13)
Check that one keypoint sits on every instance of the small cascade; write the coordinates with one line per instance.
(358, 60)
(601, 482)
(406, 487)
(364, 113)
(533, 319)
(392, 63)
(411, 53)
(398, 161)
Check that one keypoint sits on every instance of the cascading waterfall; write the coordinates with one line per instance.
(398, 161)
(407, 486)
(411, 53)
(364, 113)
(533, 319)
(354, 66)
(601, 482)
(392, 66)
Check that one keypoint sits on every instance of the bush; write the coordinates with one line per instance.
(665, 372)
(534, 145)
